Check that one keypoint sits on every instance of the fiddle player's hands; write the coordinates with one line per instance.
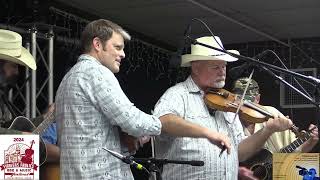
(279, 122)
(219, 139)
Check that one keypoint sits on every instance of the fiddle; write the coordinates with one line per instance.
(223, 100)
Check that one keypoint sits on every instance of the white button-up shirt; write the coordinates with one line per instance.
(186, 100)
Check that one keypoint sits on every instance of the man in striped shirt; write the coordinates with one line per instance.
(184, 101)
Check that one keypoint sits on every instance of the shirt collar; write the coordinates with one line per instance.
(88, 57)
(192, 87)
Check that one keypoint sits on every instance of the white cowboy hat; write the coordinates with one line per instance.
(11, 49)
(199, 52)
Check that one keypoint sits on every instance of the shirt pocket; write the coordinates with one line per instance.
(202, 119)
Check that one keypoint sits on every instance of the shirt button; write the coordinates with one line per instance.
(105, 109)
(107, 175)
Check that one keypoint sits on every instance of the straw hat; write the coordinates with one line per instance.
(11, 49)
(199, 52)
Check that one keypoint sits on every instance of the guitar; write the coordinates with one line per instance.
(21, 123)
(261, 162)
(50, 171)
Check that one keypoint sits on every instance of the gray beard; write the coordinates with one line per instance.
(219, 84)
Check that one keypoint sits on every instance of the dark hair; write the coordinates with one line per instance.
(103, 29)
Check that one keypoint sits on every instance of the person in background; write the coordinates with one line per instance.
(51, 169)
(49, 136)
(277, 140)
(12, 54)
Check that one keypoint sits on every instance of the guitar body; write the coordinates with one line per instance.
(50, 171)
(260, 164)
(21, 123)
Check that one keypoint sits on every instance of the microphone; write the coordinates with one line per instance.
(193, 163)
(167, 161)
(127, 160)
(175, 59)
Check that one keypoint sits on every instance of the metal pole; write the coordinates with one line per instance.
(27, 87)
(153, 175)
(33, 73)
(50, 59)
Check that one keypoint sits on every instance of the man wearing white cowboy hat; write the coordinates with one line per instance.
(12, 53)
(185, 101)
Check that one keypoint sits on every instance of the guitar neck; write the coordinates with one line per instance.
(45, 123)
(295, 144)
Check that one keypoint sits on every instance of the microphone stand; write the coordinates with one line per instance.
(290, 85)
(259, 63)
(154, 164)
(311, 79)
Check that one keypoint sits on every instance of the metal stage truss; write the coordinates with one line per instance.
(31, 90)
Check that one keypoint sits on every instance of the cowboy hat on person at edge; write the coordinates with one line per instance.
(11, 49)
